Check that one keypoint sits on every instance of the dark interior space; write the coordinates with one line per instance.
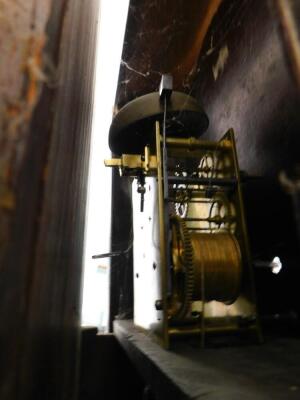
(240, 61)
(101, 378)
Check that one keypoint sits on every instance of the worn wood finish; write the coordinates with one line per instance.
(288, 13)
(258, 372)
(22, 159)
(162, 37)
(44, 157)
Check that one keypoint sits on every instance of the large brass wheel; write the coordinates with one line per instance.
(182, 271)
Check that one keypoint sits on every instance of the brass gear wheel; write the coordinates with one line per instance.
(183, 270)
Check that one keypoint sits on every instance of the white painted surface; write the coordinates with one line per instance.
(147, 282)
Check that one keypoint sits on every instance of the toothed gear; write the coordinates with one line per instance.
(187, 267)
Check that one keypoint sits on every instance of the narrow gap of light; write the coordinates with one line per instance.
(95, 299)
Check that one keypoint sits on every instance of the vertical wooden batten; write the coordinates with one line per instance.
(55, 295)
(44, 168)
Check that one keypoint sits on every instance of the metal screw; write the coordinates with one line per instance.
(158, 305)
